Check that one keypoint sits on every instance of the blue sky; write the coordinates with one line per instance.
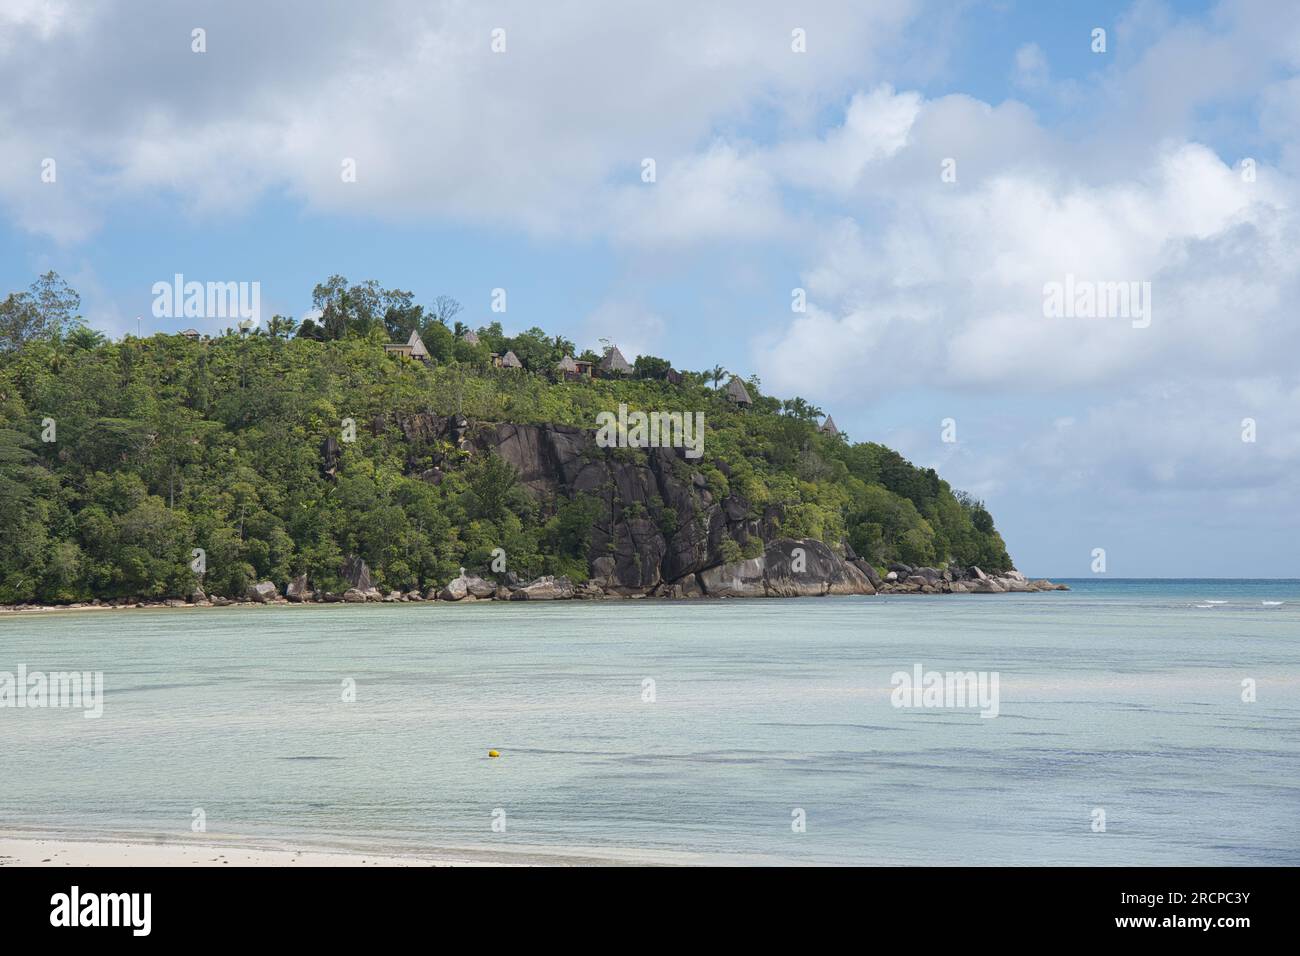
(775, 170)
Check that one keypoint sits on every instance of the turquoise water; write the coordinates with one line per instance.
(1120, 695)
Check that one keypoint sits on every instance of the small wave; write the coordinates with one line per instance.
(1272, 603)
(1212, 604)
(1215, 602)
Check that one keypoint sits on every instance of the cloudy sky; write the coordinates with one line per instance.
(920, 169)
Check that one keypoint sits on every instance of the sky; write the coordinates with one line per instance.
(923, 171)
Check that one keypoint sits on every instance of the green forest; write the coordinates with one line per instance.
(119, 458)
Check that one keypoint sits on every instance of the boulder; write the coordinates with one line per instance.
(978, 574)
(355, 571)
(689, 587)
(891, 577)
(866, 568)
(431, 594)
(545, 588)
(354, 596)
(480, 588)
(807, 567)
(296, 590)
(392, 597)
(219, 601)
(738, 579)
(456, 590)
(986, 585)
(261, 593)
(413, 596)
(198, 597)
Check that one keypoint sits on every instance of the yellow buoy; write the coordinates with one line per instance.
(493, 753)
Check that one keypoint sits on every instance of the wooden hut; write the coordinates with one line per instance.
(509, 360)
(417, 347)
(828, 427)
(470, 337)
(414, 348)
(614, 363)
(737, 394)
(572, 369)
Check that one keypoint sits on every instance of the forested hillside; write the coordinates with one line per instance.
(118, 459)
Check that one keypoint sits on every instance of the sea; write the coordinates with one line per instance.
(1124, 722)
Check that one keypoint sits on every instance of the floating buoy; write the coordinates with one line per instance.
(493, 753)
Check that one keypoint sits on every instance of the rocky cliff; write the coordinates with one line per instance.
(660, 531)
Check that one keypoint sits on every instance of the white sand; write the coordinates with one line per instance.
(206, 850)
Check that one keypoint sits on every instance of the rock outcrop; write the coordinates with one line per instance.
(296, 590)
(545, 588)
(356, 573)
(787, 568)
(262, 593)
(660, 529)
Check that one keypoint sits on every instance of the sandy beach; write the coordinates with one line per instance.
(19, 850)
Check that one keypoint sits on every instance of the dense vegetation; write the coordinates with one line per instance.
(163, 445)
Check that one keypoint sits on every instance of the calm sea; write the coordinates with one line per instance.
(1119, 697)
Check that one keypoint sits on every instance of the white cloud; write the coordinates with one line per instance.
(1031, 67)
(546, 137)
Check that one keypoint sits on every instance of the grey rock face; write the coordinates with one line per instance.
(788, 568)
(262, 592)
(297, 589)
(456, 590)
(545, 588)
(356, 573)
(480, 588)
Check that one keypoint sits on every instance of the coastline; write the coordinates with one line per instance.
(54, 849)
(741, 580)
(29, 609)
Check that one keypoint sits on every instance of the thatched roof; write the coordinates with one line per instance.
(417, 345)
(614, 362)
(828, 427)
(469, 337)
(736, 392)
(511, 360)
(567, 364)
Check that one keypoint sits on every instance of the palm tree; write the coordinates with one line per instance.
(85, 338)
(281, 325)
(717, 373)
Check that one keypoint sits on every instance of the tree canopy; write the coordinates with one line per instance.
(163, 445)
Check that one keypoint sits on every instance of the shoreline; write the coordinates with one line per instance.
(469, 589)
(16, 609)
(39, 848)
